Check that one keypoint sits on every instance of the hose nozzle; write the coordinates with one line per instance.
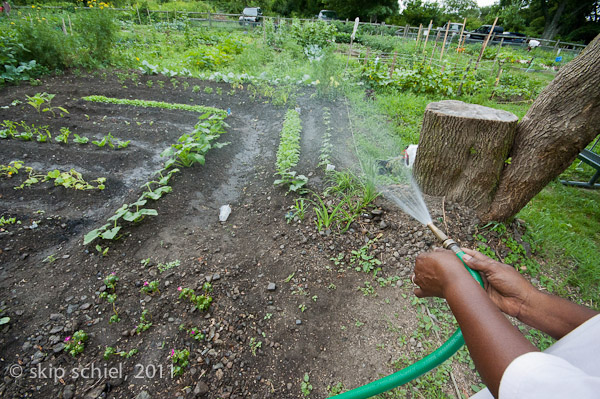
(447, 243)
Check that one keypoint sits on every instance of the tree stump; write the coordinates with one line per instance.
(462, 150)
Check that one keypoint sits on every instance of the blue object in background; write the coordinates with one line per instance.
(558, 59)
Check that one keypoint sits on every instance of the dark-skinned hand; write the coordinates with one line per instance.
(504, 285)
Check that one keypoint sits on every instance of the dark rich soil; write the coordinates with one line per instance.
(50, 283)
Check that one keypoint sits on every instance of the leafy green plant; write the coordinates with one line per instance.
(144, 323)
(42, 102)
(150, 287)
(74, 345)
(180, 361)
(363, 261)
(11, 169)
(202, 302)
(10, 130)
(193, 332)
(63, 137)
(79, 139)
(101, 251)
(108, 140)
(305, 386)
(255, 345)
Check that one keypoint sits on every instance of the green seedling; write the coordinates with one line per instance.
(8, 221)
(63, 137)
(11, 169)
(202, 302)
(179, 358)
(305, 386)
(39, 99)
(144, 323)
(80, 139)
(102, 252)
(110, 351)
(75, 344)
(255, 345)
(163, 267)
(193, 332)
(150, 287)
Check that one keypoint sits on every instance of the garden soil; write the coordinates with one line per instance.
(281, 309)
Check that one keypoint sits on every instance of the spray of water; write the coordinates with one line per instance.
(396, 183)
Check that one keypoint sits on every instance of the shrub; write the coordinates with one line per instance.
(313, 33)
(45, 42)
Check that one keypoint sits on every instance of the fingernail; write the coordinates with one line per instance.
(467, 257)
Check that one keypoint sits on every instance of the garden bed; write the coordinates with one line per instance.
(281, 308)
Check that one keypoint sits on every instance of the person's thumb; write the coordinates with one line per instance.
(481, 265)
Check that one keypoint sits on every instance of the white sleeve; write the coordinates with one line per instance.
(540, 375)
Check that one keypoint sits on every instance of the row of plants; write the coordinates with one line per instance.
(288, 153)
(70, 179)
(157, 104)
(42, 134)
(189, 150)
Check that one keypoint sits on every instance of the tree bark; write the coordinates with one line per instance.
(561, 122)
(552, 26)
(462, 149)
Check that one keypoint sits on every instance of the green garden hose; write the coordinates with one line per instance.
(417, 369)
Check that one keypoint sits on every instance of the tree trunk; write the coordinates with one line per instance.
(552, 26)
(462, 149)
(561, 122)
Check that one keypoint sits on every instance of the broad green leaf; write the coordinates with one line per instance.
(111, 234)
(132, 216)
(148, 212)
(54, 174)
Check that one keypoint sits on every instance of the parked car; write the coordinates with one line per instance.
(514, 37)
(455, 28)
(251, 15)
(481, 32)
(327, 15)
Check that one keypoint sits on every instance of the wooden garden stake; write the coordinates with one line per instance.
(367, 56)
(64, 27)
(485, 43)
(460, 38)
(445, 37)
(70, 25)
(427, 38)
(138, 13)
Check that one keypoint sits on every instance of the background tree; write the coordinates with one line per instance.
(365, 10)
(420, 12)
